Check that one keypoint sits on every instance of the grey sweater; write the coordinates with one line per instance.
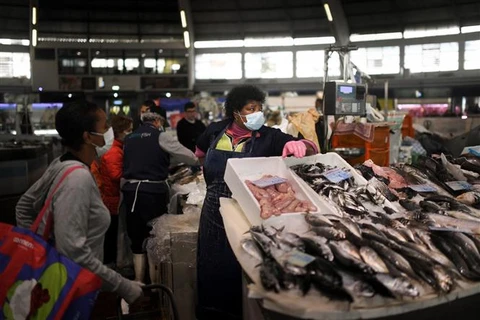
(80, 220)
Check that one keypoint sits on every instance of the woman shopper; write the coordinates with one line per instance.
(80, 218)
(109, 171)
(241, 135)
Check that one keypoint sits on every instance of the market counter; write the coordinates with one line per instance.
(459, 303)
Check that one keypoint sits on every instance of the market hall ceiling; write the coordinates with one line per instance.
(227, 19)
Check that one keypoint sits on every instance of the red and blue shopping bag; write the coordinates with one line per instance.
(36, 282)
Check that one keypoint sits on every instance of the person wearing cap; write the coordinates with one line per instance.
(147, 155)
(190, 128)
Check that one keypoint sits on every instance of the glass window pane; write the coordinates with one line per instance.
(472, 52)
(310, 64)
(218, 66)
(269, 65)
(14, 65)
(377, 60)
(432, 57)
(334, 65)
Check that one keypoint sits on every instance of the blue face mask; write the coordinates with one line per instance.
(254, 120)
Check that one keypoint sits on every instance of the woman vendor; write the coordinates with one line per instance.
(242, 134)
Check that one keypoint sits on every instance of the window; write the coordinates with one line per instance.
(432, 57)
(472, 51)
(269, 65)
(310, 64)
(107, 66)
(218, 66)
(14, 65)
(377, 60)
(153, 66)
(334, 65)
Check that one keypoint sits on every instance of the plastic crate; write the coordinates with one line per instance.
(380, 157)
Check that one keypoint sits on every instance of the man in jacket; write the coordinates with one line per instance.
(148, 152)
(190, 128)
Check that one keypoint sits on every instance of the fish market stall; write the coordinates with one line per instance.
(320, 241)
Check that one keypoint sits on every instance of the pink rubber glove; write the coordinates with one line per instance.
(297, 148)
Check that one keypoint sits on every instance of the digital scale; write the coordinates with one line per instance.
(344, 99)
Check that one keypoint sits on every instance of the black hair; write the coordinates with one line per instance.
(149, 103)
(189, 105)
(239, 96)
(73, 119)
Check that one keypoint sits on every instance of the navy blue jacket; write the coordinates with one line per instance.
(143, 159)
(269, 144)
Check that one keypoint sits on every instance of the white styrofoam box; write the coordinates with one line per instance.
(239, 170)
(332, 159)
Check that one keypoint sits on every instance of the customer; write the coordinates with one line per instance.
(241, 135)
(148, 152)
(190, 128)
(80, 219)
(110, 171)
(145, 107)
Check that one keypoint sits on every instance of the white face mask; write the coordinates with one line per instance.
(254, 120)
(108, 137)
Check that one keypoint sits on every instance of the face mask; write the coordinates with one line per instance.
(254, 120)
(108, 137)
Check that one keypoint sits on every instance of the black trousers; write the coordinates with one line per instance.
(110, 242)
(147, 207)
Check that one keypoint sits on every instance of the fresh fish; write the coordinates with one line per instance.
(452, 203)
(433, 254)
(455, 171)
(343, 256)
(475, 240)
(425, 237)
(444, 280)
(462, 215)
(430, 206)
(349, 224)
(268, 276)
(317, 220)
(351, 249)
(371, 258)
(394, 258)
(263, 241)
(329, 232)
(409, 205)
(251, 248)
(399, 286)
(389, 210)
(355, 286)
(316, 246)
(471, 260)
(394, 234)
(470, 198)
(459, 224)
(271, 231)
(455, 257)
(290, 238)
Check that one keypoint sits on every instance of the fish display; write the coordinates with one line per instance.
(278, 198)
(378, 239)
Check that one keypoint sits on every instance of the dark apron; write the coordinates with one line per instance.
(219, 275)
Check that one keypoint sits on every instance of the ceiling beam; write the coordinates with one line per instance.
(456, 19)
(239, 19)
(339, 25)
(289, 18)
(266, 9)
